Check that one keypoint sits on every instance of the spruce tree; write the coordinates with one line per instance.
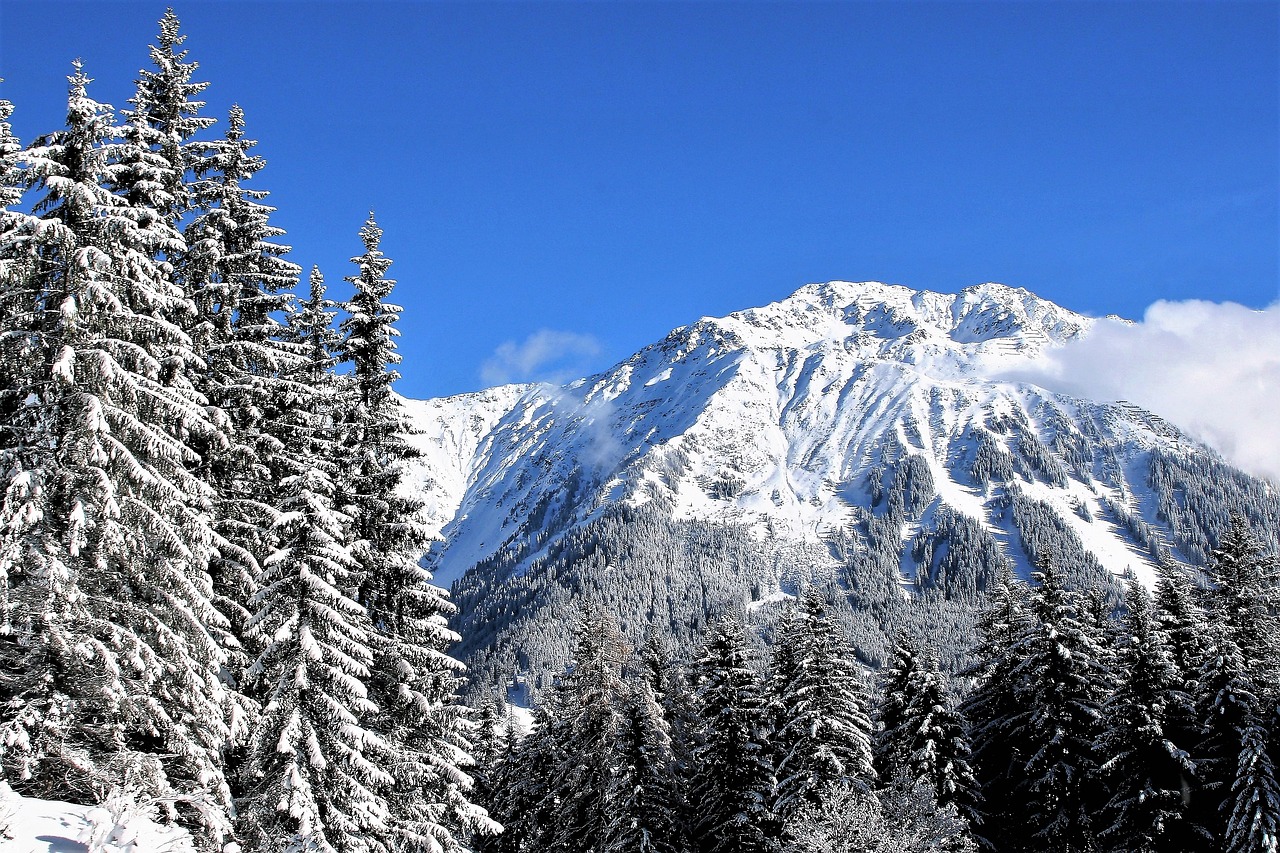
(732, 777)
(416, 680)
(114, 658)
(826, 736)
(933, 742)
(891, 747)
(1246, 598)
(527, 802)
(1062, 686)
(644, 816)
(1235, 805)
(1147, 774)
(669, 683)
(490, 741)
(994, 709)
(18, 281)
(319, 768)
(593, 696)
(160, 129)
(236, 276)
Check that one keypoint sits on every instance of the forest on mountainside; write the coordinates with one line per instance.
(1153, 726)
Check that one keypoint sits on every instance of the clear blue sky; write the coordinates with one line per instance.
(618, 169)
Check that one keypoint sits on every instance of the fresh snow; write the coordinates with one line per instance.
(49, 826)
(773, 419)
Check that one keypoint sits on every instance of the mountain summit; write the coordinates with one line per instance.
(856, 433)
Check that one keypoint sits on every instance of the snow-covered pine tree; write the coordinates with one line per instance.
(416, 681)
(161, 151)
(890, 746)
(1237, 695)
(527, 804)
(236, 275)
(1254, 823)
(644, 815)
(17, 275)
(1224, 702)
(1246, 598)
(784, 666)
(489, 745)
(732, 779)
(389, 539)
(1148, 775)
(993, 709)
(319, 771)
(934, 741)
(594, 696)
(826, 736)
(1180, 621)
(112, 672)
(1061, 685)
(669, 683)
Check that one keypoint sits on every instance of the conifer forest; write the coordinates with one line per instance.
(214, 612)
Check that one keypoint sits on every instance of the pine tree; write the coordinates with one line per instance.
(18, 282)
(1254, 824)
(489, 745)
(416, 680)
(159, 131)
(388, 538)
(732, 778)
(891, 748)
(113, 657)
(994, 709)
(1235, 805)
(527, 802)
(671, 690)
(1180, 621)
(827, 734)
(1246, 598)
(1062, 687)
(1148, 775)
(593, 696)
(644, 815)
(236, 277)
(1237, 696)
(934, 742)
(318, 765)
(318, 769)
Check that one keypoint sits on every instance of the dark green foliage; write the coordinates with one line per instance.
(732, 773)
(1147, 774)
(824, 739)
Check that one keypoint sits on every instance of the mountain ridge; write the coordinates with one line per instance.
(796, 426)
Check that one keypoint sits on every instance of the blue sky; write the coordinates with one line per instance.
(562, 183)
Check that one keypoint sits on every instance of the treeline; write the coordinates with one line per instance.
(210, 598)
(1152, 728)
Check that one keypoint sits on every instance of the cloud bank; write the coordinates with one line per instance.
(545, 356)
(1211, 368)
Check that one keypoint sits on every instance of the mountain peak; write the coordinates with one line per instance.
(855, 430)
(891, 322)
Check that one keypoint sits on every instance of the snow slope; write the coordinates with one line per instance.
(776, 418)
(48, 826)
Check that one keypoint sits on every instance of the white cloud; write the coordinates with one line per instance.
(1211, 368)
(545, 356)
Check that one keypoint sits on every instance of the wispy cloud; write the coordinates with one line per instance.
(1211, 368)
(545, 356)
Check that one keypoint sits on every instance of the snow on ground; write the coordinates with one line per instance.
(48, 826)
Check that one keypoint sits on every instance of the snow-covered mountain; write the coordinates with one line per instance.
(795, 425)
